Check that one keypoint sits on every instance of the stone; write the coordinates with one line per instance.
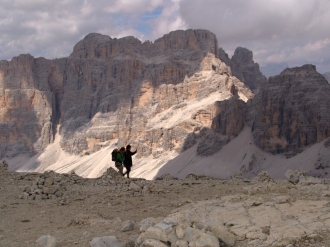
(152, 243)
(205, 240)
(165, 227)
(127, 225)
(107, 241)
(224, 235)
(38, 197)
(232, 219)
(155, 233)
(282, 199)
(84, 219)
(134, 187)
(146, 223)
(264, 177)
(49, 181)
(292, 176)
(180, 232)
(131, 241)
(46, 241)
(170, 221)
(51, 189)
(181, 243)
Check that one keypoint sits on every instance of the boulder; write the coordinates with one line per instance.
(127, 225)
(107, 241)
(294, 176)
(46, 241)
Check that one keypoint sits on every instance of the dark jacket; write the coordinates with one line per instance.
(128, 158)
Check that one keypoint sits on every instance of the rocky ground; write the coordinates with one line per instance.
(60, 210)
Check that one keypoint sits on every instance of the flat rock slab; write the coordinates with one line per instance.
(263, 223)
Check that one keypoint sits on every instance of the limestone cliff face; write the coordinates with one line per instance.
(292, 111)
(107, 89)
(163, 96)
(246, 70)
(26, 113)
(230, 116)
(115, 86)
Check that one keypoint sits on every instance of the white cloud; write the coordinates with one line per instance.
(291, 31)
(169, 20)
(133, 6)
(279, 27)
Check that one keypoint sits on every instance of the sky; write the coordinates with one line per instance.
(294, 32)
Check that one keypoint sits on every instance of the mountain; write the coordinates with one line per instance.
(180, 100)
(246, 70)
(327, 76)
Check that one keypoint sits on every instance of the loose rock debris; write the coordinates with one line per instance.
(52, 209)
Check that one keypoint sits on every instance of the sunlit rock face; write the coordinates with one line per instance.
(164, 96)
(119, 86)
(292, 111)
(26, 105)
(109, 89)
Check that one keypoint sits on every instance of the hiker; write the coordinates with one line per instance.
(120, 160)
(128, 159)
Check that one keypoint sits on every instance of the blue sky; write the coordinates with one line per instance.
(292, 31)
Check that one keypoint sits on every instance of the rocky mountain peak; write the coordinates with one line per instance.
(224, 57)
(292, 110)
(169, 96)
(190, 39)
(242, 56)
(246, 70)
(327, 76)
(303, 70)
(102, 47)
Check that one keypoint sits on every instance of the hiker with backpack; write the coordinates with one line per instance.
(128, 159)
(119, 159)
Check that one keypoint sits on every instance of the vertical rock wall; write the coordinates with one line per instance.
(292, 111)
(101, 92)
(246, 70)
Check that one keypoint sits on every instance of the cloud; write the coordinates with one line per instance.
(285, 29)
(51, 28)
(291, 31)
(169, 20)
(133, 7)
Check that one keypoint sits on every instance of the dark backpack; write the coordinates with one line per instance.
(114, 154)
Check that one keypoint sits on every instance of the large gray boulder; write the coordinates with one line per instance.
(107, 241)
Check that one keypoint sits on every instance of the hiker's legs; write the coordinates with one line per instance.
(121, 169)
(128, 169)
